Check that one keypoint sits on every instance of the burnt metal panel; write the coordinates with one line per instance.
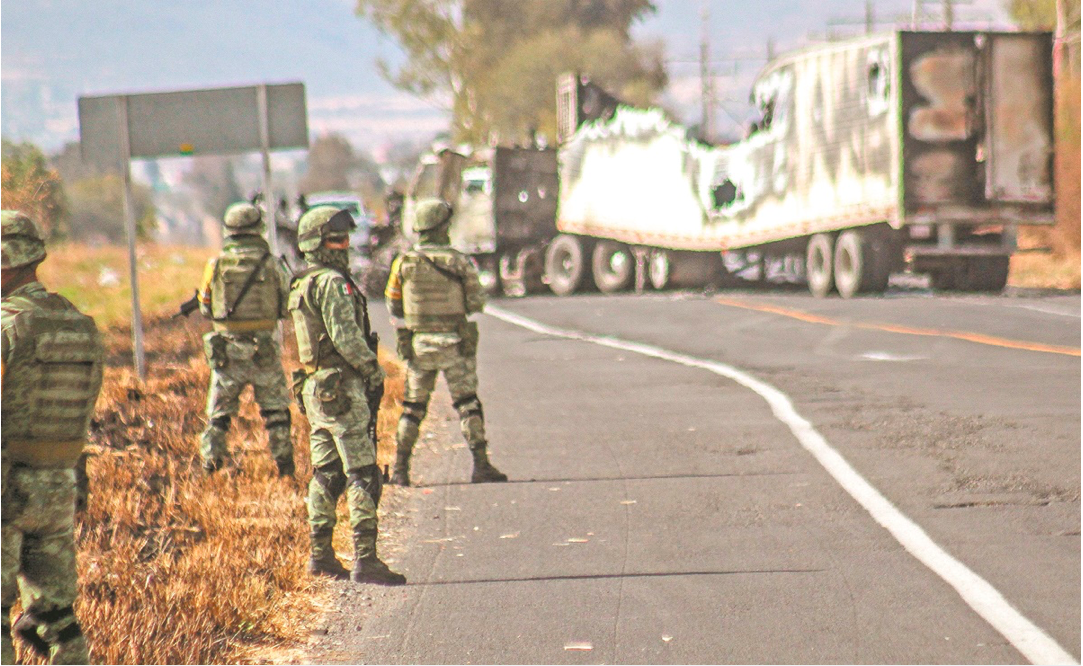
(941, 118)
(1019, 118)
(525, 189)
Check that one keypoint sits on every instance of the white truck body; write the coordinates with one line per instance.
(950, 133)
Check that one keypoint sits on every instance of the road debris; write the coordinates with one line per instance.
(666, 638)
(628, 501)
(513, 535)
(583, 646)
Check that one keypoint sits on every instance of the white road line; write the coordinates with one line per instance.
(1024, 635)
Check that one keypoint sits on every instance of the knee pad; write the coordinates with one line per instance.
(468, 406)
(414, 411)
(370, 480)
(27, 627)
(276, 418)
(331, 478)
(220, 422)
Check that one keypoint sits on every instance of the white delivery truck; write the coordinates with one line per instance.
(904, 149)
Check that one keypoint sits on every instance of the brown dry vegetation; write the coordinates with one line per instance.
(176, 566)
(96, 278)
(1060, 267)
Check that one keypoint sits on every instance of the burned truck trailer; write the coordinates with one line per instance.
(504, 202)
(904, 149)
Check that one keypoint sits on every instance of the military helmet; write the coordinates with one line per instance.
(242, 218)
(322, 222)
(431, 213)
(21, 241)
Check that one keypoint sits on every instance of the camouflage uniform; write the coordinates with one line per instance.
(337, 349)
(242, 350)
(52, 368)
(435, 288)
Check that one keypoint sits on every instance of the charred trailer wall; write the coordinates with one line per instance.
(525, 190)
(977, 126)
(824, 155)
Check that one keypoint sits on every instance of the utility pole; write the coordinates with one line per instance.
(870, 20)
(949, 14)
(706, 84)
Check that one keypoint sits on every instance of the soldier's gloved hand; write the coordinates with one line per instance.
(374, 375)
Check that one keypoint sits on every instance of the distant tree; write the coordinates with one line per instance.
(29, 185)
(334, 164)
(213, 183)
(97, 210)
(495, 62)
(1042, 14)
(330, 161)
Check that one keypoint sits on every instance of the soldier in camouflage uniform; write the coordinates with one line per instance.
(338, 351)
(435, 288)
(52, 373)
(244, 294)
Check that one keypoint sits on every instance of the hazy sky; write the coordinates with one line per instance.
(52, 51)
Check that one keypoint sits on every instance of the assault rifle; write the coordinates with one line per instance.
(188, 307)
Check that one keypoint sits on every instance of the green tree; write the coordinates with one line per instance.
(96, 200)
(495, 62)
(213, 183)
(97, 209)
(29, 185)
(1042, 14)
(333, 164)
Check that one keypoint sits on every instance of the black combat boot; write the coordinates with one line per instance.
(400, 474)
(323, 561)
(484, 472)
(372, 570)
(285, 466)
(367, 566)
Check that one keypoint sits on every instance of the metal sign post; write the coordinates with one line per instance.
(215, 121)
(265, 151)
(138, 353)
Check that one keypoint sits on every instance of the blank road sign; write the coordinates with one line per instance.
(191, 122)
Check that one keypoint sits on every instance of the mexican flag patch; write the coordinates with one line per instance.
(346, 291)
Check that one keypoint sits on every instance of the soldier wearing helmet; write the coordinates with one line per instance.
(338, 351)
(52, 374)
(244, 293)
(434, 288)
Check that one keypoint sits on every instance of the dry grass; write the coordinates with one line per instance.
(175, 566)
(96, 278)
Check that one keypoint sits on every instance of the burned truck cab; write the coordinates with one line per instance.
(504, 203)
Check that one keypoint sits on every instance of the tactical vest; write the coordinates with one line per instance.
(314, 346)
(52, 380)
(431, 299)
(234, 267)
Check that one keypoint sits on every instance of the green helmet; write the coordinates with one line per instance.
(20, 239)
(431, 213)
(322, 222)
(243, 218)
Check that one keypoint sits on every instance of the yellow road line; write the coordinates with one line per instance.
(907, 330)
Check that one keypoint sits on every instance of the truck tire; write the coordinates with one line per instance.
(659, 268)
(613, 266)
(819, 260)
(862, 264)
(565, 265)
(990, 274)
(983, 274)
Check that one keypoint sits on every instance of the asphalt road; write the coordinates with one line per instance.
(662, 511)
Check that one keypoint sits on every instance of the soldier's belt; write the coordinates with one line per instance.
(246, 326)
(44, 453)
(312, 368)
